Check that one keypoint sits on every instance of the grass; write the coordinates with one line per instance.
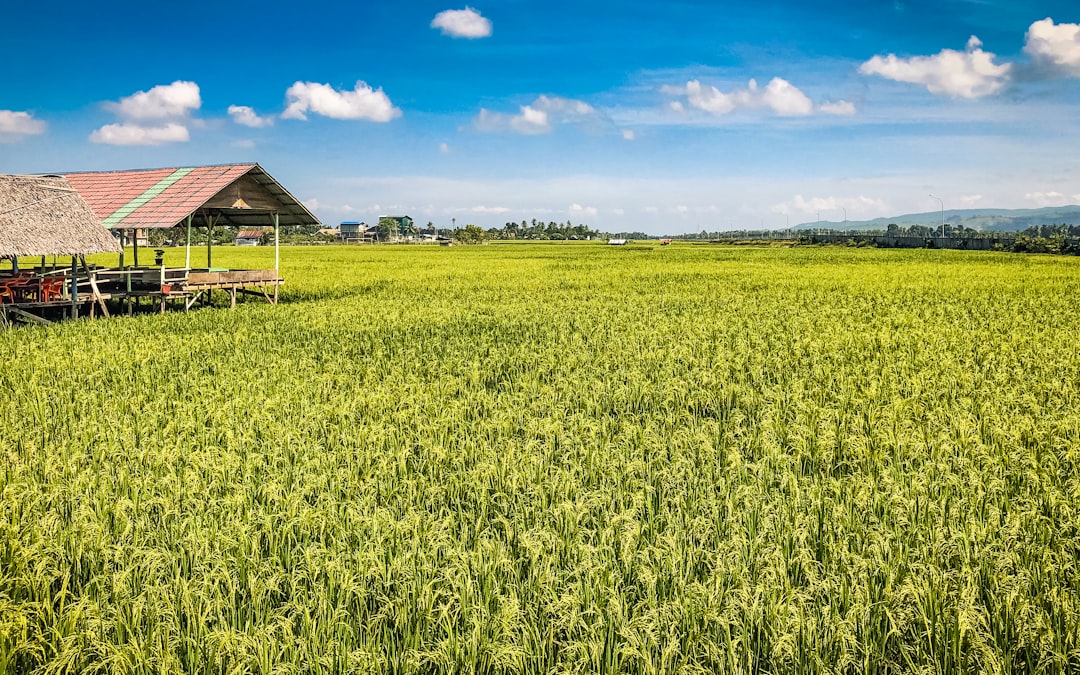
(556, 459)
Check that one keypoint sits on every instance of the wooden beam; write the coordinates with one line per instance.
(94, 288)
(27, 316)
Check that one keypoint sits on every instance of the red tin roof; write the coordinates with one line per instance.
(165, 197)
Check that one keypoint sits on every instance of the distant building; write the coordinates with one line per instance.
(403, 225)
(249, 237)
(355, 232)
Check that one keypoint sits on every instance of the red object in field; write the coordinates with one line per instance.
(51, 289)
(166, 289)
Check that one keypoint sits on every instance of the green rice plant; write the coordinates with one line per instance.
(541, 458)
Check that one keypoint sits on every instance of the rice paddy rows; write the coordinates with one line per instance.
(556, 459)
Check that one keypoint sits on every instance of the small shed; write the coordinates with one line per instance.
(249, 237)
(41, 216)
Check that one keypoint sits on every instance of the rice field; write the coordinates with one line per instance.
(556, 459)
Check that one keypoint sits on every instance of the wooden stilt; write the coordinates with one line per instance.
(74, 287)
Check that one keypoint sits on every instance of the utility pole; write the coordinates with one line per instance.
(942, 217)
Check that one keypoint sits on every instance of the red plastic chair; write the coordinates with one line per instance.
(52, 288)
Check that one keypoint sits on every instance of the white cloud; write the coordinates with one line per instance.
(832, 208)
(14, 125)
(311, 204)
(968, 74)
(530, 121)
(362, 103)
(1046, 198)
(628, 134)
(785, 98)
(242, 114)
(1056, 45)
(970, 200)
(489, 209)
(618, 212)
(155, 117)
(462, 23)
(134, 134)
(165, 101)
(243, 143)
(540, 116)
(845, 108)
(779, 96)
(579, 210)
(444, 148)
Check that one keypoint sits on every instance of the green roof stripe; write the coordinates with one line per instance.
(153, 191)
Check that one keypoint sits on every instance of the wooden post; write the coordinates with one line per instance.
(135, 247)
(209, 239)
(74, 287)
(187, 255)
(277, 254)
(127, 287)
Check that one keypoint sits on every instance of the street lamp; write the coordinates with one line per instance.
(845, 216)
(942, 215)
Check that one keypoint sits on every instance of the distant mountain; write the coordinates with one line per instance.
(987, 220)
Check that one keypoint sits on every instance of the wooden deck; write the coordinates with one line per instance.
(129, 290)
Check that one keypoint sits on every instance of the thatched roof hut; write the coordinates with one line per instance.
(44, 215)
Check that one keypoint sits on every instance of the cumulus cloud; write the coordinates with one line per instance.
(628, 134)
(540, 116)
(462, 23)
(779, 96)
(135, 134)
(1055, 45)
(15, 125)
(968, 74)
(362, 103)
(165, 101)
(444, 148)
(845, 108)
(579, 210)
(155, 117)
(242, 114)
(829, 206)
(489, 209)
(1046, 198)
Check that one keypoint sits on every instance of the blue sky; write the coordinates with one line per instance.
(657, 116)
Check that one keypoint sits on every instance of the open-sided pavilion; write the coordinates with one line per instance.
(241, 195)
(72, 214)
